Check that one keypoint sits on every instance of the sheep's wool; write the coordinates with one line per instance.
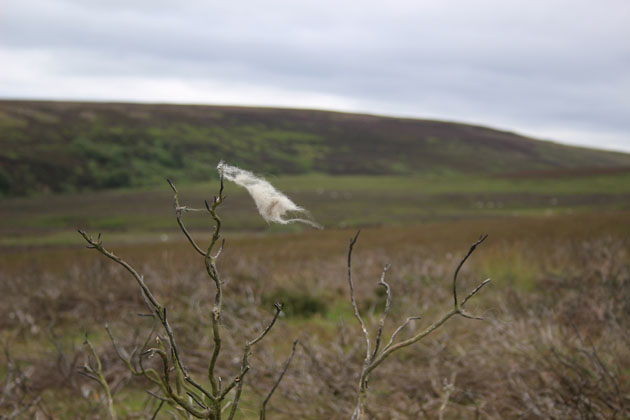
(272, 205)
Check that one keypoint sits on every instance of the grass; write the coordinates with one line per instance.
(557, 254)
(335, 201)
(543, 269)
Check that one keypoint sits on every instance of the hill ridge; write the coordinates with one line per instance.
(68, 146)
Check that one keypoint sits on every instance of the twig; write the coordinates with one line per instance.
(196, 399)
(448, 389)
(355, 308)
(152, 303)
(376, 358)
(211, 269)
(399, 329)
(96, 373)
(178, 215)
(126, 360)
(475, 290)
(154, 395)
(388, 301)
(461, 263)
(154, 416)
(239, 380)
(275, 385)
(185, 392)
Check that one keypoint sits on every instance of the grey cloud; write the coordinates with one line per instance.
(563, 65)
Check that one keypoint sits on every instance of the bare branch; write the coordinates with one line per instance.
(98, 245)
(388, 301)
(196, 400)
(355, 308)
(447, 388)
(218, 254)
(467, 315)
(376, 359)
(154, 305)
(278, 306)
(154, 416)
(217, 220)
(461, 263)
(399, 329)
(275, 385)
(157, 397)
(178, 398)
(174, 381)
(178, 215)
(126, 360)
(239, 380)
(96, 373)
(234, 382)
(211, 269)
(474, 291)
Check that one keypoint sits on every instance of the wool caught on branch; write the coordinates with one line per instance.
(273, 206)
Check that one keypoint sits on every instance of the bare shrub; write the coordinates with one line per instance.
(176, 386)
(373, 358)
(555, 343)
(173, 382)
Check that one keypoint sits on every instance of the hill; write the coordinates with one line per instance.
(71, 146)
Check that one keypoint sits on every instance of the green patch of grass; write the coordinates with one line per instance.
(514, 271)
(50, 222)
(297, 303)
(334, 201)
(339, 310)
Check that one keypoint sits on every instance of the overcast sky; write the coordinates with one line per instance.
(555, 69)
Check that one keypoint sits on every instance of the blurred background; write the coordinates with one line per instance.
(424, 123)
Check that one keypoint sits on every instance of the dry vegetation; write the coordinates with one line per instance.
(554, 343)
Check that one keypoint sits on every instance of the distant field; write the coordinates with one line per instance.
(334, 201)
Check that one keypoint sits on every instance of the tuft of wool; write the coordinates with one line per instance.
(272, 205)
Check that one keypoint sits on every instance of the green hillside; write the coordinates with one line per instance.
(68, 146)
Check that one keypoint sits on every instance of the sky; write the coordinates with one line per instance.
(556, 70)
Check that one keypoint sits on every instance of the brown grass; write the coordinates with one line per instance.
(554, 343)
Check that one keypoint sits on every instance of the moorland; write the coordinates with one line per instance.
(554, 341)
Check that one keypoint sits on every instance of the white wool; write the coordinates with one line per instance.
(272, 205)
